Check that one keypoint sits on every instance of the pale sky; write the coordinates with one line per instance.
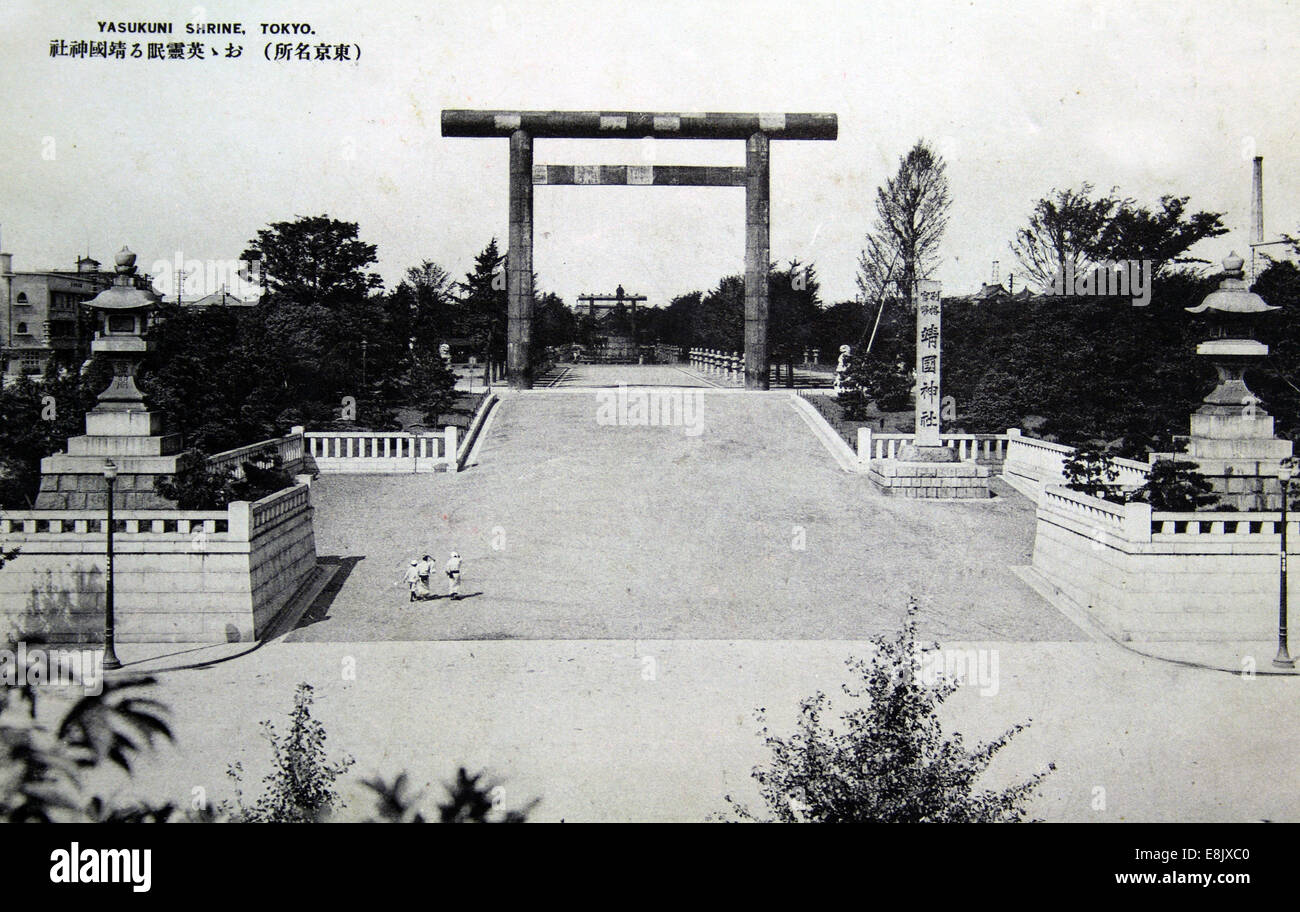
(195, 156)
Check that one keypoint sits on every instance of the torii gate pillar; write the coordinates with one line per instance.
(758, 233)
(519, 263)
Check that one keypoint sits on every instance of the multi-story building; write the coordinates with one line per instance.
(42, 318)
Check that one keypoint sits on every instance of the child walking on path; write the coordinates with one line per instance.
(424, 569)
(413, 578)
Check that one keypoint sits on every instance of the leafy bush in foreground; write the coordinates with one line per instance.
(887, 760)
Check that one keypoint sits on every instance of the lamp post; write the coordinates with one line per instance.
(111, 660)
(363, 363)
(1283, 659)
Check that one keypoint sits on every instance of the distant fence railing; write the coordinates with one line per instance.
(725, 365)
(667, 354)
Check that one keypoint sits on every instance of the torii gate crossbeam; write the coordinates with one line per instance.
(521, 127)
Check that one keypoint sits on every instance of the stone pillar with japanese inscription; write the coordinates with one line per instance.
(925, 467)
(929, 314)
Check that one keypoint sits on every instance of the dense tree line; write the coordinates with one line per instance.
(798, 319)
(1090, 370)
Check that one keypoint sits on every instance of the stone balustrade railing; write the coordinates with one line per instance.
(1130, 522)
(188, 576)
(1226, 526)
(17, 526)
(475, 427)
(1136, 523)
(988, 449)
(272, 509)
(388, 452)
(1041, 462)
(240, 521)
(1026, 462)
(289, 449)
(1144, 575)
(351, 452)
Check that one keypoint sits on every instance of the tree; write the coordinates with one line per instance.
(883, 374)
(484, 302)
(432, 386)
(1174, 486)
(1098, 370)
(36, 419)
(1063, 233)
(314, 260)
(843, 323)
(433, 305)
(553, 324)
(878, 377)
(1161, 237)
(196, 487)
(1070, 231)
(204, 374)
(300, 786)
(719, 320)
(303, 340)
(911, 215)
(44, 762)
(886, 759)
(794, 307)
(1092, 472)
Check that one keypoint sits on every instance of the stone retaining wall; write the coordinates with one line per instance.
(1163, 576)
(179, 576)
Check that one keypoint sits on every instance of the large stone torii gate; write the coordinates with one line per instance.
(522, 127)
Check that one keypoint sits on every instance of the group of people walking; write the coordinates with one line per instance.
(419, 573)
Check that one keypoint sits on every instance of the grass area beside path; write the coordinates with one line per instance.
(460, 416)
(880, 422)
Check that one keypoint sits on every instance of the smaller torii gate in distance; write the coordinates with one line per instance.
(618, 297)
(521, 127)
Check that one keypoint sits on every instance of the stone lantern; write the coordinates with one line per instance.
(122, 314)
(1232, 438)
(120, 428)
